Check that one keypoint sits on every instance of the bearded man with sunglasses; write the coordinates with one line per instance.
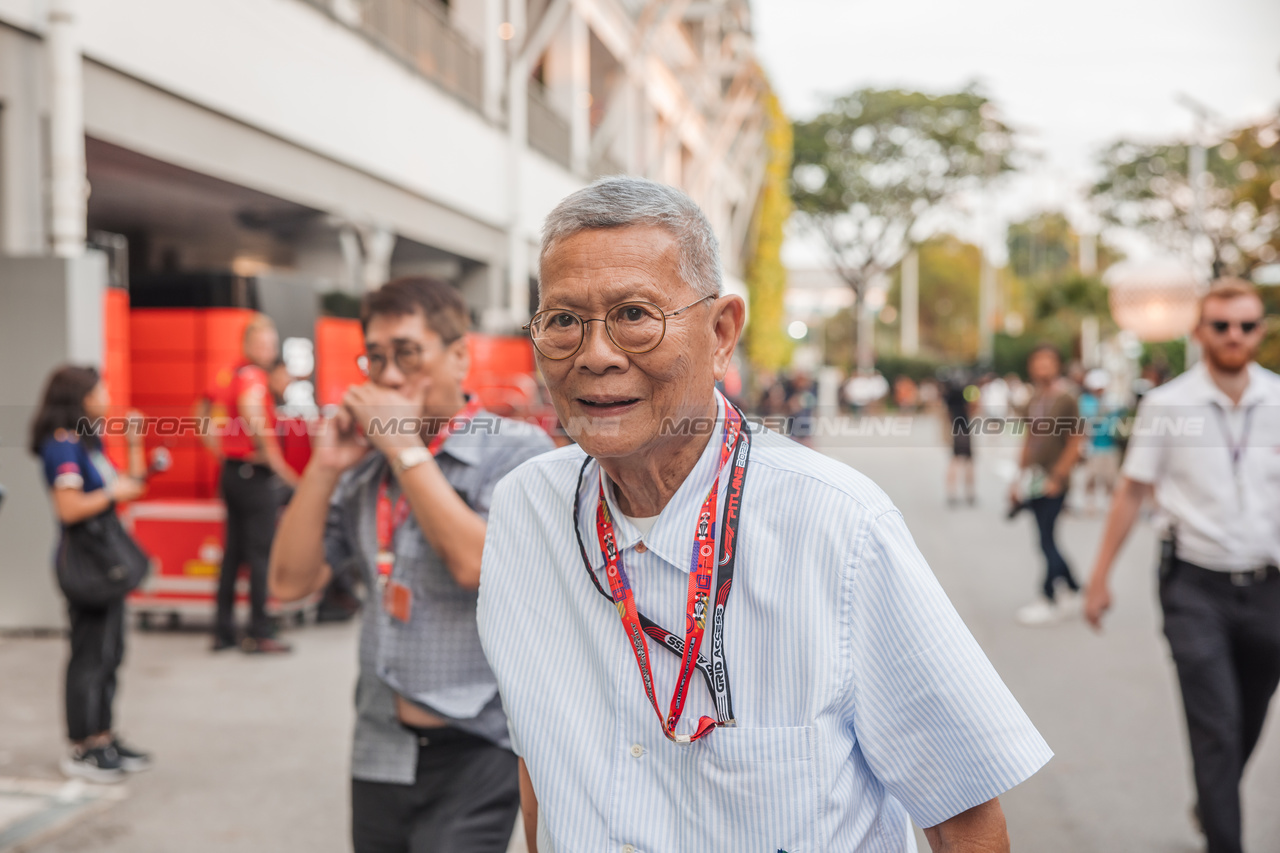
(400, 483)
(1207, 446)
(811, 683)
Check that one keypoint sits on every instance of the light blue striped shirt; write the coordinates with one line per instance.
(860, 696)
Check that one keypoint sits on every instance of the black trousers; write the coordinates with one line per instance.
(1225, 641)
(97, 648)
(1046, 511)
(464, 800)
(252, 496)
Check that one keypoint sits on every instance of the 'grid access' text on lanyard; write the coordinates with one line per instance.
(736, 446)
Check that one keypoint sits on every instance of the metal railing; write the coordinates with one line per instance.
(419, 33)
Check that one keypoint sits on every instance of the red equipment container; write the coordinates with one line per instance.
(184, 539)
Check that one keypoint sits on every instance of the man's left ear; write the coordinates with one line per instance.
(729, 318)
(459, 356)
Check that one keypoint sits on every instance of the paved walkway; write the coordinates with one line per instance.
(252, 753)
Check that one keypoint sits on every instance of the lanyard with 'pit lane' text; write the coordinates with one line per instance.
(736, 446)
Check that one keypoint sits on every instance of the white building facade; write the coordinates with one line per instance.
(334, 144)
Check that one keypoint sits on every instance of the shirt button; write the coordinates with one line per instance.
(628, 848)
(636, 750)
(641, 548)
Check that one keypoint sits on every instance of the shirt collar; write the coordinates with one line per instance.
(467, 446)
(1256, 391)
(672, 535)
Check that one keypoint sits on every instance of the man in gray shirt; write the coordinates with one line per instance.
(399, 485)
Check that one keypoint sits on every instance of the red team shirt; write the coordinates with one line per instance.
(237, 440)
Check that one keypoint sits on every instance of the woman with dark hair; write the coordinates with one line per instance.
(84, 484)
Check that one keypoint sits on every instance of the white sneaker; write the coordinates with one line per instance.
(1070, 604)
(1042, 611)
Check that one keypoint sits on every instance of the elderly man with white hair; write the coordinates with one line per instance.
(813, 687)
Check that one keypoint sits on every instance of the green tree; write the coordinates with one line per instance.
(948, 317)
(1054, 295)
(1145, 187)
(868, 169)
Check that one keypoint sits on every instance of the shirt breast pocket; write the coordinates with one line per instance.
(762, 786)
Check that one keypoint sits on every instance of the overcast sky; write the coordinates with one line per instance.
(1071, 76)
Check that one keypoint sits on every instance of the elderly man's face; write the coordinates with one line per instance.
(612, 402)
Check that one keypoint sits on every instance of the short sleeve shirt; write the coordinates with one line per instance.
(69, 463)
(435, 660)
(860, 697)
(1214, 466)
(1058, 405)
(237, 439)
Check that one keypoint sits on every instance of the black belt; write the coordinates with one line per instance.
(441, 735)
(238, 464)
(1247, 577)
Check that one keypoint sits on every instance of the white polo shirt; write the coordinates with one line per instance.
(1215, 466)
(860, 697)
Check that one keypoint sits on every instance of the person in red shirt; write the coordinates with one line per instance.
(252, 471)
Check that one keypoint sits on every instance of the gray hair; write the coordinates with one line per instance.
(620, 202)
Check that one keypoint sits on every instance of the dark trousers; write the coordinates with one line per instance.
(97, 648)
(464, 800)
(252, 498)
(1046, 511)
(1225, 641)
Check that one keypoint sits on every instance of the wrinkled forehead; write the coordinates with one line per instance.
(602, 267)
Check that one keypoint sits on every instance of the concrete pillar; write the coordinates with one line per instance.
(494, 48)
(1088, 253)
(633, 126)
(517, 301)
(580, 93)
(986, 310)
(67, 180)
(1089, 341)
(910, 293)
(866, 337)
(50, 314)
(23, 194)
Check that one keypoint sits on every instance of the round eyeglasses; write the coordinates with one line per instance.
(633, 327)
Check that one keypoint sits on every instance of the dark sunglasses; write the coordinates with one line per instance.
(1224, 326)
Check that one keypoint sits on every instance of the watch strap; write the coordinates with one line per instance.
(410, 457)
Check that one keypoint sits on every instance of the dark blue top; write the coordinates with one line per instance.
(67, 462)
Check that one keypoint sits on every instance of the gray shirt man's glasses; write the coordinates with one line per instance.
(634, 327)
(407, 359)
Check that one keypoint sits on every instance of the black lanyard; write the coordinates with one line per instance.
(714, 671)
(1237, 448)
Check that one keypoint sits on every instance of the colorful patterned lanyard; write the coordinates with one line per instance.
(702, 566)
(390, 518)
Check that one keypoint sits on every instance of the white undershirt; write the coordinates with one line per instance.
(644, 525)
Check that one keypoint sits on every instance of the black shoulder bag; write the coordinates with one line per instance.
(98, 562)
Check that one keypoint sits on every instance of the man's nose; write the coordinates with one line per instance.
(598, 351)
(391, 376)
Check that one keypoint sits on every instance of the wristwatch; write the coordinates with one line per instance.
(410, 457)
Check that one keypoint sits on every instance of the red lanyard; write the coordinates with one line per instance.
(390, 518)
(702, 567)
